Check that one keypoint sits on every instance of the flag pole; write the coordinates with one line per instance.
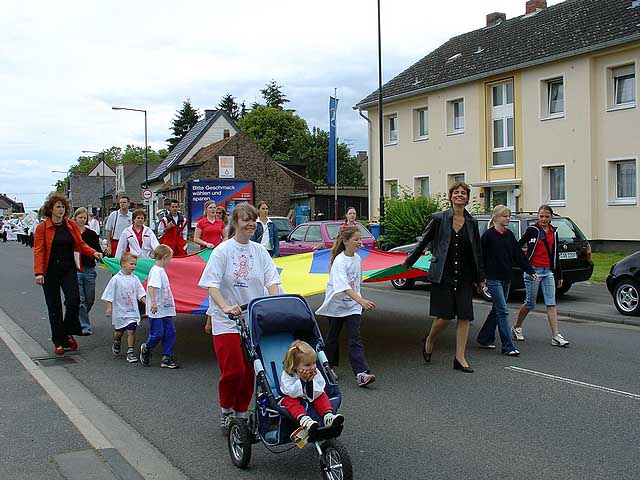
(335, 159)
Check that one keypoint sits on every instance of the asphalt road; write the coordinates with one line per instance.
(525, 417)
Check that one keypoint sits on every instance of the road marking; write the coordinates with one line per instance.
(575, 382)
(82, 423)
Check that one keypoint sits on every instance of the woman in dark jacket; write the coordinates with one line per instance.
(456, 268)
(266, 231)
(541, 241)
(56, 242)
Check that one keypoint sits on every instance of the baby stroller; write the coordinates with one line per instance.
(273, 323)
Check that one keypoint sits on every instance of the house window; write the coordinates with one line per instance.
(555, 185)
(503, 128)
(624, 85)
(455, 114)
(454, 178)
(391, 188)
(555, 97)
(391, 129)
(421, 186)
(624, 181)
(421, 122)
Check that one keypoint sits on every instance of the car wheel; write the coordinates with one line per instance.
(564, 288)
(626, 297)
(403, 283)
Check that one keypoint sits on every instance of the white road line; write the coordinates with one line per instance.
(82, 423)
(575, 382)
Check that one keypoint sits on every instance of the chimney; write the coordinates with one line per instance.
(535, 5)
(209, 113)
(495, 18)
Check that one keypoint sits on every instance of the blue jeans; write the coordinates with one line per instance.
(498, 316)
(162, 330)
(87, 286)
(548, 283)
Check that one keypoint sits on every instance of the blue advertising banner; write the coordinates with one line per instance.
(331, 161)
(226, 193)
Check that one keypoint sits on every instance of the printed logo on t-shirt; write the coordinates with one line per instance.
(243, 267)
(352, 280)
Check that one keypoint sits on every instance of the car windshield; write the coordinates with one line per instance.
(282, 224)
(334, 228)
(514, 226)
(567, 230)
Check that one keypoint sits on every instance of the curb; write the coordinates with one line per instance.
(619, 319)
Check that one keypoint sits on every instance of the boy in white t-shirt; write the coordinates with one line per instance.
(121, 295)
(161, 309)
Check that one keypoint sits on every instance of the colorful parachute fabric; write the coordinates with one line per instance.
(305, 274)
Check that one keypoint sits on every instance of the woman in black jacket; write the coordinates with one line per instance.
(456, 268)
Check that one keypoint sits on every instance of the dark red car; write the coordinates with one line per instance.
(311, 236)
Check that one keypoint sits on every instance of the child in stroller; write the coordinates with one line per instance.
(300, 382)
(273, 325)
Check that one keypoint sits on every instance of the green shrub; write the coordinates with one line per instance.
(406, 216)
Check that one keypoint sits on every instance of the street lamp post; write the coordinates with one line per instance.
(67, 180)
(103, 188)
(146, 150)
(380, 119)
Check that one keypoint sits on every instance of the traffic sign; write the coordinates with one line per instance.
(147, 194)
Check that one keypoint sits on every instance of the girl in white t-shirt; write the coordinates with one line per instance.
(161, 309)
(238, 271)
(343, 303)
(121, 295)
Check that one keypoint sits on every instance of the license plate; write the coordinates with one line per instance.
(568, 255)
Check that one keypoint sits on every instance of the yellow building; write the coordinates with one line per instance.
(540, 108)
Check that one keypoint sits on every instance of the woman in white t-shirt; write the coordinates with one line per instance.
(343, 303)
(238, 271)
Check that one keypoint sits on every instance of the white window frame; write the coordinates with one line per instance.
(545, 184)
(387, 129)
(611, 86)
(612, 181)
(417, 137)
(388, 192)
(450, 109)
(545, 98)
(451, 178)
(417, 192)
(504, 112)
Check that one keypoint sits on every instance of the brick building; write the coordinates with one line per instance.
(274, 183)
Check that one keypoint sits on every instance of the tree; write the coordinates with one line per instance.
(229, 105)
(274, 130)
(313, 151)
(273, 95)
(243, 110)
(184, 120)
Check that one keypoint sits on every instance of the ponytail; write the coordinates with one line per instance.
(344, 234)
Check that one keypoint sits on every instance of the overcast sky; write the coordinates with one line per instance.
(64, 65)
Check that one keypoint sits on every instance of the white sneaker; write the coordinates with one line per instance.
(365, 378)
(559, 341)
(516, 333)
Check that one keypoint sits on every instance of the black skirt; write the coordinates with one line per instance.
(449, 302)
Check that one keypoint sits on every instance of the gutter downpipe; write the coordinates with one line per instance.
(369, 176)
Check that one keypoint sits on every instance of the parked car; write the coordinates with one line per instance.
(623, 283)
(284, 226)
(311, 236)
(575, 252)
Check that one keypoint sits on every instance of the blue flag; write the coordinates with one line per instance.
(332, 160)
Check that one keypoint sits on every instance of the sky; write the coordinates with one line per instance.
(63, 65)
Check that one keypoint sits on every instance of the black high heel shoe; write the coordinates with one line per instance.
(426, 355)
(458, 366)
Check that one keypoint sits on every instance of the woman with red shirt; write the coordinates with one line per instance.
(210, 229)
(541, 241)
(55, 263)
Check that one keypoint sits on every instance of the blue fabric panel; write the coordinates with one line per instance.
(272, 350)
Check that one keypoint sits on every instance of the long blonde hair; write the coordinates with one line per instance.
(297, 352)
(498, 211)
(344, 234)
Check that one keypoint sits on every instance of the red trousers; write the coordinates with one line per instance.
(295, 408)
(114, 247)
(235, 387)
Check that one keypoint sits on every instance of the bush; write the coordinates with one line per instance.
(405, 217)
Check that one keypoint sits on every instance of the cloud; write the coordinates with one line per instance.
(62, 70)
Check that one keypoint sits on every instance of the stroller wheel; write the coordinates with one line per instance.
(335, 463)
(239, 442)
